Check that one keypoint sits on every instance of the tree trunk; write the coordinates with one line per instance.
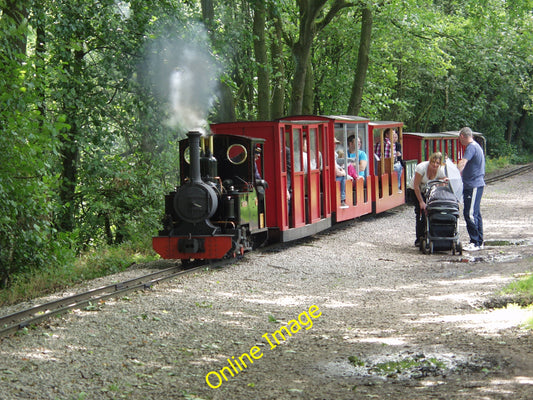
(521, 127)
(309, 91)
(356, 97)
(70, 156)
(309, 26)
(40, 48)
(277, 108)
(301, 51)
(208, 13)
(226, 108)
(261, 58)
(225, 111)
(509, 131)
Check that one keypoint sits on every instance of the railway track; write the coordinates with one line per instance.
(14, 322)
(507, 174)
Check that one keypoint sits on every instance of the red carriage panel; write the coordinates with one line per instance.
(386, 193)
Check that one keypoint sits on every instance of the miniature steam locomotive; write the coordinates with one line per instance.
(219, 208)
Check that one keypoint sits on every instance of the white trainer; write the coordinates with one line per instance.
(471, 247)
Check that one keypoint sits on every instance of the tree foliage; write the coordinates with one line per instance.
(93, 98)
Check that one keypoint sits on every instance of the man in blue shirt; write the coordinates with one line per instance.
(472, 167)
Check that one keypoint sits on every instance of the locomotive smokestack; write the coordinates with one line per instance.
(194, 153)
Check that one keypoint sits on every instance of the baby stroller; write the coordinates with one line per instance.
(442, 209)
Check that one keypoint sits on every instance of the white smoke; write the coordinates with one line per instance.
(187, 76)
(191, 90)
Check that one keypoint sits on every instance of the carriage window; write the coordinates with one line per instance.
(312, 143)
(237, 154)
(315, 153)
(282, 150)
(297, 151)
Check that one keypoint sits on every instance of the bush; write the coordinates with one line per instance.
(92, 264)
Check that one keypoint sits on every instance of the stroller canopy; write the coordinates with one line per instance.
(454, 176)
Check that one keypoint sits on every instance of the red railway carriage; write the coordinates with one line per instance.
(419, 146)
(300, 155)
(297, 166)
(387, 193)
(341, 128)
(350, 129)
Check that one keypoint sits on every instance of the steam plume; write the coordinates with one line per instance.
(187, 77)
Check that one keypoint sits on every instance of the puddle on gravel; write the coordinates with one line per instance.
(489, 258)
(495, 257)
(407, 366)
(509, 242)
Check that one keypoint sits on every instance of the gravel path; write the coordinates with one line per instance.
(356, 312)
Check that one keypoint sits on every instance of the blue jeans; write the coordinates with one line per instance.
(472, 214)
(342, 180)
(398, 168)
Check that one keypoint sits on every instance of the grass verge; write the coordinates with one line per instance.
(90, 265)
(520, 290)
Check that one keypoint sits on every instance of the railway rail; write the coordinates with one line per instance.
(507, 174)
(14, 322)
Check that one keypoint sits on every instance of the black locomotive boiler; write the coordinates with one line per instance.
(218, 208)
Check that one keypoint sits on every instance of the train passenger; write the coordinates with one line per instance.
(363, 158)
(472, 167)
(340, 175)
(398, 166)
(314, 164)
(289, 169)
(424, 172)
(257, 161)
(387, 146)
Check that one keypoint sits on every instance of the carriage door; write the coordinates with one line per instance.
(286, 161)
(297, 203)
(313, 142)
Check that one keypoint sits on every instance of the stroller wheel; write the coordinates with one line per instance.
(459, 248)
(431, 247)
(424, 246)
